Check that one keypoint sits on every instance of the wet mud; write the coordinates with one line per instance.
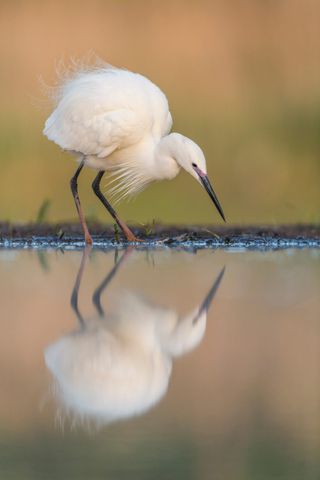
(69, 236)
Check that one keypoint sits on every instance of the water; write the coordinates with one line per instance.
(142, 383)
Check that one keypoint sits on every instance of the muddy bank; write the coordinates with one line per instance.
(69, 236)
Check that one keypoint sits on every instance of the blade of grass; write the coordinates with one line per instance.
(43, 211)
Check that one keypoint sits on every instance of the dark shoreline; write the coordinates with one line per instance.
(68, 236)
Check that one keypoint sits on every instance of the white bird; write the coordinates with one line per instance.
(118, 364)
(118, 121)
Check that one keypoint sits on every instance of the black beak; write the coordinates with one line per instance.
(207, 185)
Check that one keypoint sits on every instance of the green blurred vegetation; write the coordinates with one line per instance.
(259, 455)
(264, 166)
(242, 80)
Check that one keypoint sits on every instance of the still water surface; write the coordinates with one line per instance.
(160, 365)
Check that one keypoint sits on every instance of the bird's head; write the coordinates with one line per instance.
(189, 156)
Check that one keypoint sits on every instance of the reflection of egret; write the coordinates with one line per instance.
(118, 364)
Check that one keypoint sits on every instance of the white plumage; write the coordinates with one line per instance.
(118, 121)
(105, 110)
(111, 116)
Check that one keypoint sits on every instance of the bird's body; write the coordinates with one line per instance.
(118, 121)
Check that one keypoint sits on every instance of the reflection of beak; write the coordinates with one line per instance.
(204, 307)
(207, 185)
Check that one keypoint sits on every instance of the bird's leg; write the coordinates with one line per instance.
(96, 298)
(96, 188)
(75, 291)
(74, 189)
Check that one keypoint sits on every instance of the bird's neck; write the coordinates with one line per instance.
(166, 167)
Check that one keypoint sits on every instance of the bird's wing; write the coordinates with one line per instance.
(96, 135)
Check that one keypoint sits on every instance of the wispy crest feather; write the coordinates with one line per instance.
(65, 73)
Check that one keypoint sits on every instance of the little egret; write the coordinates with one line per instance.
(118, 121)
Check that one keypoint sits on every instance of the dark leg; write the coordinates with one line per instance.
(74, 189)
(75, 291)
(96, 299)
(96, 188)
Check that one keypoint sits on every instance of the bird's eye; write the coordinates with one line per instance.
(194, 164)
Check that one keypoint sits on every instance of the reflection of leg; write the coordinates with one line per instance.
(75, 291)
(96, 188)
(96, 298)
(210, 295)
(74, 189)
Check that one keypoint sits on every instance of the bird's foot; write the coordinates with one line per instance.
(132, 238)
(88, 239)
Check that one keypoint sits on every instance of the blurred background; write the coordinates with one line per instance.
(242, 79)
